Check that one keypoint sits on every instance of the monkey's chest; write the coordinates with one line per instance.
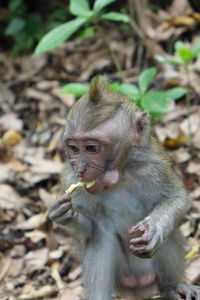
(124, 207)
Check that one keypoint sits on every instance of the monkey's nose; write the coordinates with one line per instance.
(81, 172)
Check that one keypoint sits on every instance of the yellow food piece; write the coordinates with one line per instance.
(74, 186)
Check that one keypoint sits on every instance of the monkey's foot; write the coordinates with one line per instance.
(182, 292)
(144, 280)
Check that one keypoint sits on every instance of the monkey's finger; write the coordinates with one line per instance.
(64, 220)
(63, 198)
(139, 227)
(142, 252)
(59, 201)
(139, 241)
(59, 211)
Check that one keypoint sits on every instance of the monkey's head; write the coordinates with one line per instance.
(101, 131)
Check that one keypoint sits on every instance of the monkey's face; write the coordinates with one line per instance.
(90, 159)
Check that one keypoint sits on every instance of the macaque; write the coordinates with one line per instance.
(127, 219)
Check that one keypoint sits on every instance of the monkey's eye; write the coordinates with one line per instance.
(73, 149)
(92, 148)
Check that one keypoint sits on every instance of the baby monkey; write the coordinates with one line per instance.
(127, 219)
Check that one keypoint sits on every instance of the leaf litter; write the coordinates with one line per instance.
(37, 259)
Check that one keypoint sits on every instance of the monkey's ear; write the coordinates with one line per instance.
(141, 127)
(98, 86)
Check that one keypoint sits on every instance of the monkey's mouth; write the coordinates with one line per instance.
(96, 187)
(109, 179)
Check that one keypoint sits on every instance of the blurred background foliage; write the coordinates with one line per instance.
(24, 22)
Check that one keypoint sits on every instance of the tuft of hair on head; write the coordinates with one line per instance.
(98, 86)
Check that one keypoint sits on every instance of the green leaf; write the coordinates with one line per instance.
(146, 78)
(154, 102)
(76, 89)
(115, 16)
(58, 35)
(15, 4)
(162, 59)
(185, 54)
(175, 93)
(196, 49)
(80, 8)
(157, 117)
(87, 32)
(115, 87)
(125, 89)
(179, 45)
(182, 51)
(99, 4)
(15, 26)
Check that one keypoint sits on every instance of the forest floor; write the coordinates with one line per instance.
(37, 260)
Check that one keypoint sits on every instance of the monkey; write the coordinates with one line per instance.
(127, 222)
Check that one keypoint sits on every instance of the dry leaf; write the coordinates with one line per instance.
(46, 197)
(45, 291)
(74, 291)
(34, 222)
(176, 143)
(191, 124)
(73, 275)
(193, 253)
(11, 121)
(56, 276)
(10, 199)
(181, 155)
(192, 271)
(36, 259)
(42, 166)
(67, 99)
(193, 167)
(11, 138)
(16, 165)
(56, 254)
(36, 235)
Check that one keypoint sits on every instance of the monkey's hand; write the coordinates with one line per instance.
(61, 210)
(146, 245)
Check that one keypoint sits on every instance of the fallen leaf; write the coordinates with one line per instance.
(192, 271)
(193, 167)
(56, 275)
(181, 155)
(36, 235)
(34, 222)
(176, 143)
(36, 259)
(10, 199)
(11, 138)
(193, 253)
(45, 291)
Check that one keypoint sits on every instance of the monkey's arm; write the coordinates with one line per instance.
(164, 218)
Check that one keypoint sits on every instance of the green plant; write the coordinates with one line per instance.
(24, 28)
(155, 102)
(183, 57)
(183, 54)
(84, 16)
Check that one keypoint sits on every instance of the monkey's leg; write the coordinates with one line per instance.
(99, 265)
(169, 264)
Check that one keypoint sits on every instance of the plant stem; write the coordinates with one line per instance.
(112, 52)
(188, 104)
